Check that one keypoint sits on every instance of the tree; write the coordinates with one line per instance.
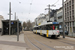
(29, 25)
(24, 24)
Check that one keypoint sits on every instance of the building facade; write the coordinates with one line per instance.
(69, 13)
(45, 17)
(40, 19)
(1, 18)
(60, 17)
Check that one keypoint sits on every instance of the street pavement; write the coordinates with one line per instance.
(10, 42)
(30, 41)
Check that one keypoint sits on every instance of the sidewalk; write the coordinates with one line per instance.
(10, 42)
(69, 38)
(72, 35)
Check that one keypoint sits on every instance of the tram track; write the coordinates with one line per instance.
(68, 43)
(33, 44)
(46, 42)
(72, 43)
(38, 47)
(64, 41)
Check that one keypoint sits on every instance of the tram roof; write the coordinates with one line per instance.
(35, 26)
(48, 23)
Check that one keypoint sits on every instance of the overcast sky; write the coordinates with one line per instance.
(24, 10)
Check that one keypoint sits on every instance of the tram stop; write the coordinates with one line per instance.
(13, 30)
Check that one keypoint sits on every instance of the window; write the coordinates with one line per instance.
(36, 28)
(60, 17)
(73, 24)
(70, 17)
(72, 1)
(52, 27)
(65, 5)
(55, 27)
(49, 27)
(72, 6)
(43, 27)
(70, 24)
(40, 28)
(72, 12)
(73, 17)
(69, 2)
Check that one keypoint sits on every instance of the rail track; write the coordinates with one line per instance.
(43, 43)
(38, 47)
(72, 43)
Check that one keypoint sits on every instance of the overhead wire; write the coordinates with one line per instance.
(55, 2)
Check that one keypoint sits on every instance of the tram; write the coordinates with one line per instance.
(49, 29)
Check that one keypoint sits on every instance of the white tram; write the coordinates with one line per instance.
(50, 29)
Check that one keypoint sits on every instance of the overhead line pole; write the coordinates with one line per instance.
(49, 12)
(15, 15)
(9, 18)
(63, 20)
(17, 29)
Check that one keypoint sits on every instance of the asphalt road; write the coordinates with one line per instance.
(38, 42)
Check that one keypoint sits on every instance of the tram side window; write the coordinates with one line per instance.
(34, 28)
(52, 27)
(37, 28)
(43, 27)
(49, 27)
(40, 28)
(55, 27)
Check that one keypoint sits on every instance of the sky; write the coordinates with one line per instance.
(27, 9)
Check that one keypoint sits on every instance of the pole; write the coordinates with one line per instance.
(9, 18)
(15, 15)
(63, 20)
(49, 12)
(17, 30)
